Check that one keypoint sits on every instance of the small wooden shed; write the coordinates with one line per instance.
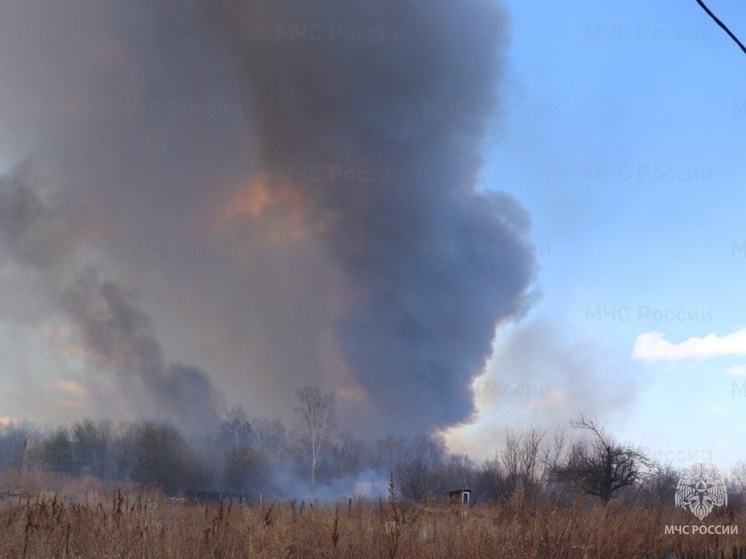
(459, 496)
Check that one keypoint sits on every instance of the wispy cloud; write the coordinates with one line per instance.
(653, 346)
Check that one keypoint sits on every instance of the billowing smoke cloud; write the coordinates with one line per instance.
(360, 92)
(537, 378)
(112, 332)
(120, 336)
(292, 188)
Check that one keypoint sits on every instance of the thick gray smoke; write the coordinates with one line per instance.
(357, 91)
(120, 336)
(113, 333)
(291, 186)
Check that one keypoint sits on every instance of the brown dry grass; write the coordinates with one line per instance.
(60, 518)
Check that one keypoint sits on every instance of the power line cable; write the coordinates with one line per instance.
(721, 24)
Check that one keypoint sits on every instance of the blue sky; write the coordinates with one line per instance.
(625, 143)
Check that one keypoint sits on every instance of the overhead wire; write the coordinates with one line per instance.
(721, 24)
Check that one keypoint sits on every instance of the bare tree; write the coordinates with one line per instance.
(458, 472)
(417, 479)
(122, 450)
(518, 463)
(91, 446)
(13, 439)
(737, 486)
(659, 486)
(57, 452)
(551, 457)
(350, 455)
(318, 420)
(419, 472)
(245, 469)
(387, 451)
(599, 465)
(235, 430)
(521, 458)
(162, 457)
(268, 435)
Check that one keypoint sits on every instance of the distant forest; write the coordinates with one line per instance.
(255, 457)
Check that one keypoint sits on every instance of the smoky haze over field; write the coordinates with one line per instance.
(280, 193)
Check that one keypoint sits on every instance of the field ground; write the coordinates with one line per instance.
(55, 517)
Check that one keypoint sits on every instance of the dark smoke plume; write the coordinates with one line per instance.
(291, 186)
(398, 87)
(120, 336)
(114, 333)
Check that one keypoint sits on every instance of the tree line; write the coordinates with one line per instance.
(254, 456)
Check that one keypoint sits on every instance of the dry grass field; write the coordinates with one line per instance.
(46, 516)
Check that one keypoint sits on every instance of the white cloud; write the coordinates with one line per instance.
(738, 370)
(653, 346)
